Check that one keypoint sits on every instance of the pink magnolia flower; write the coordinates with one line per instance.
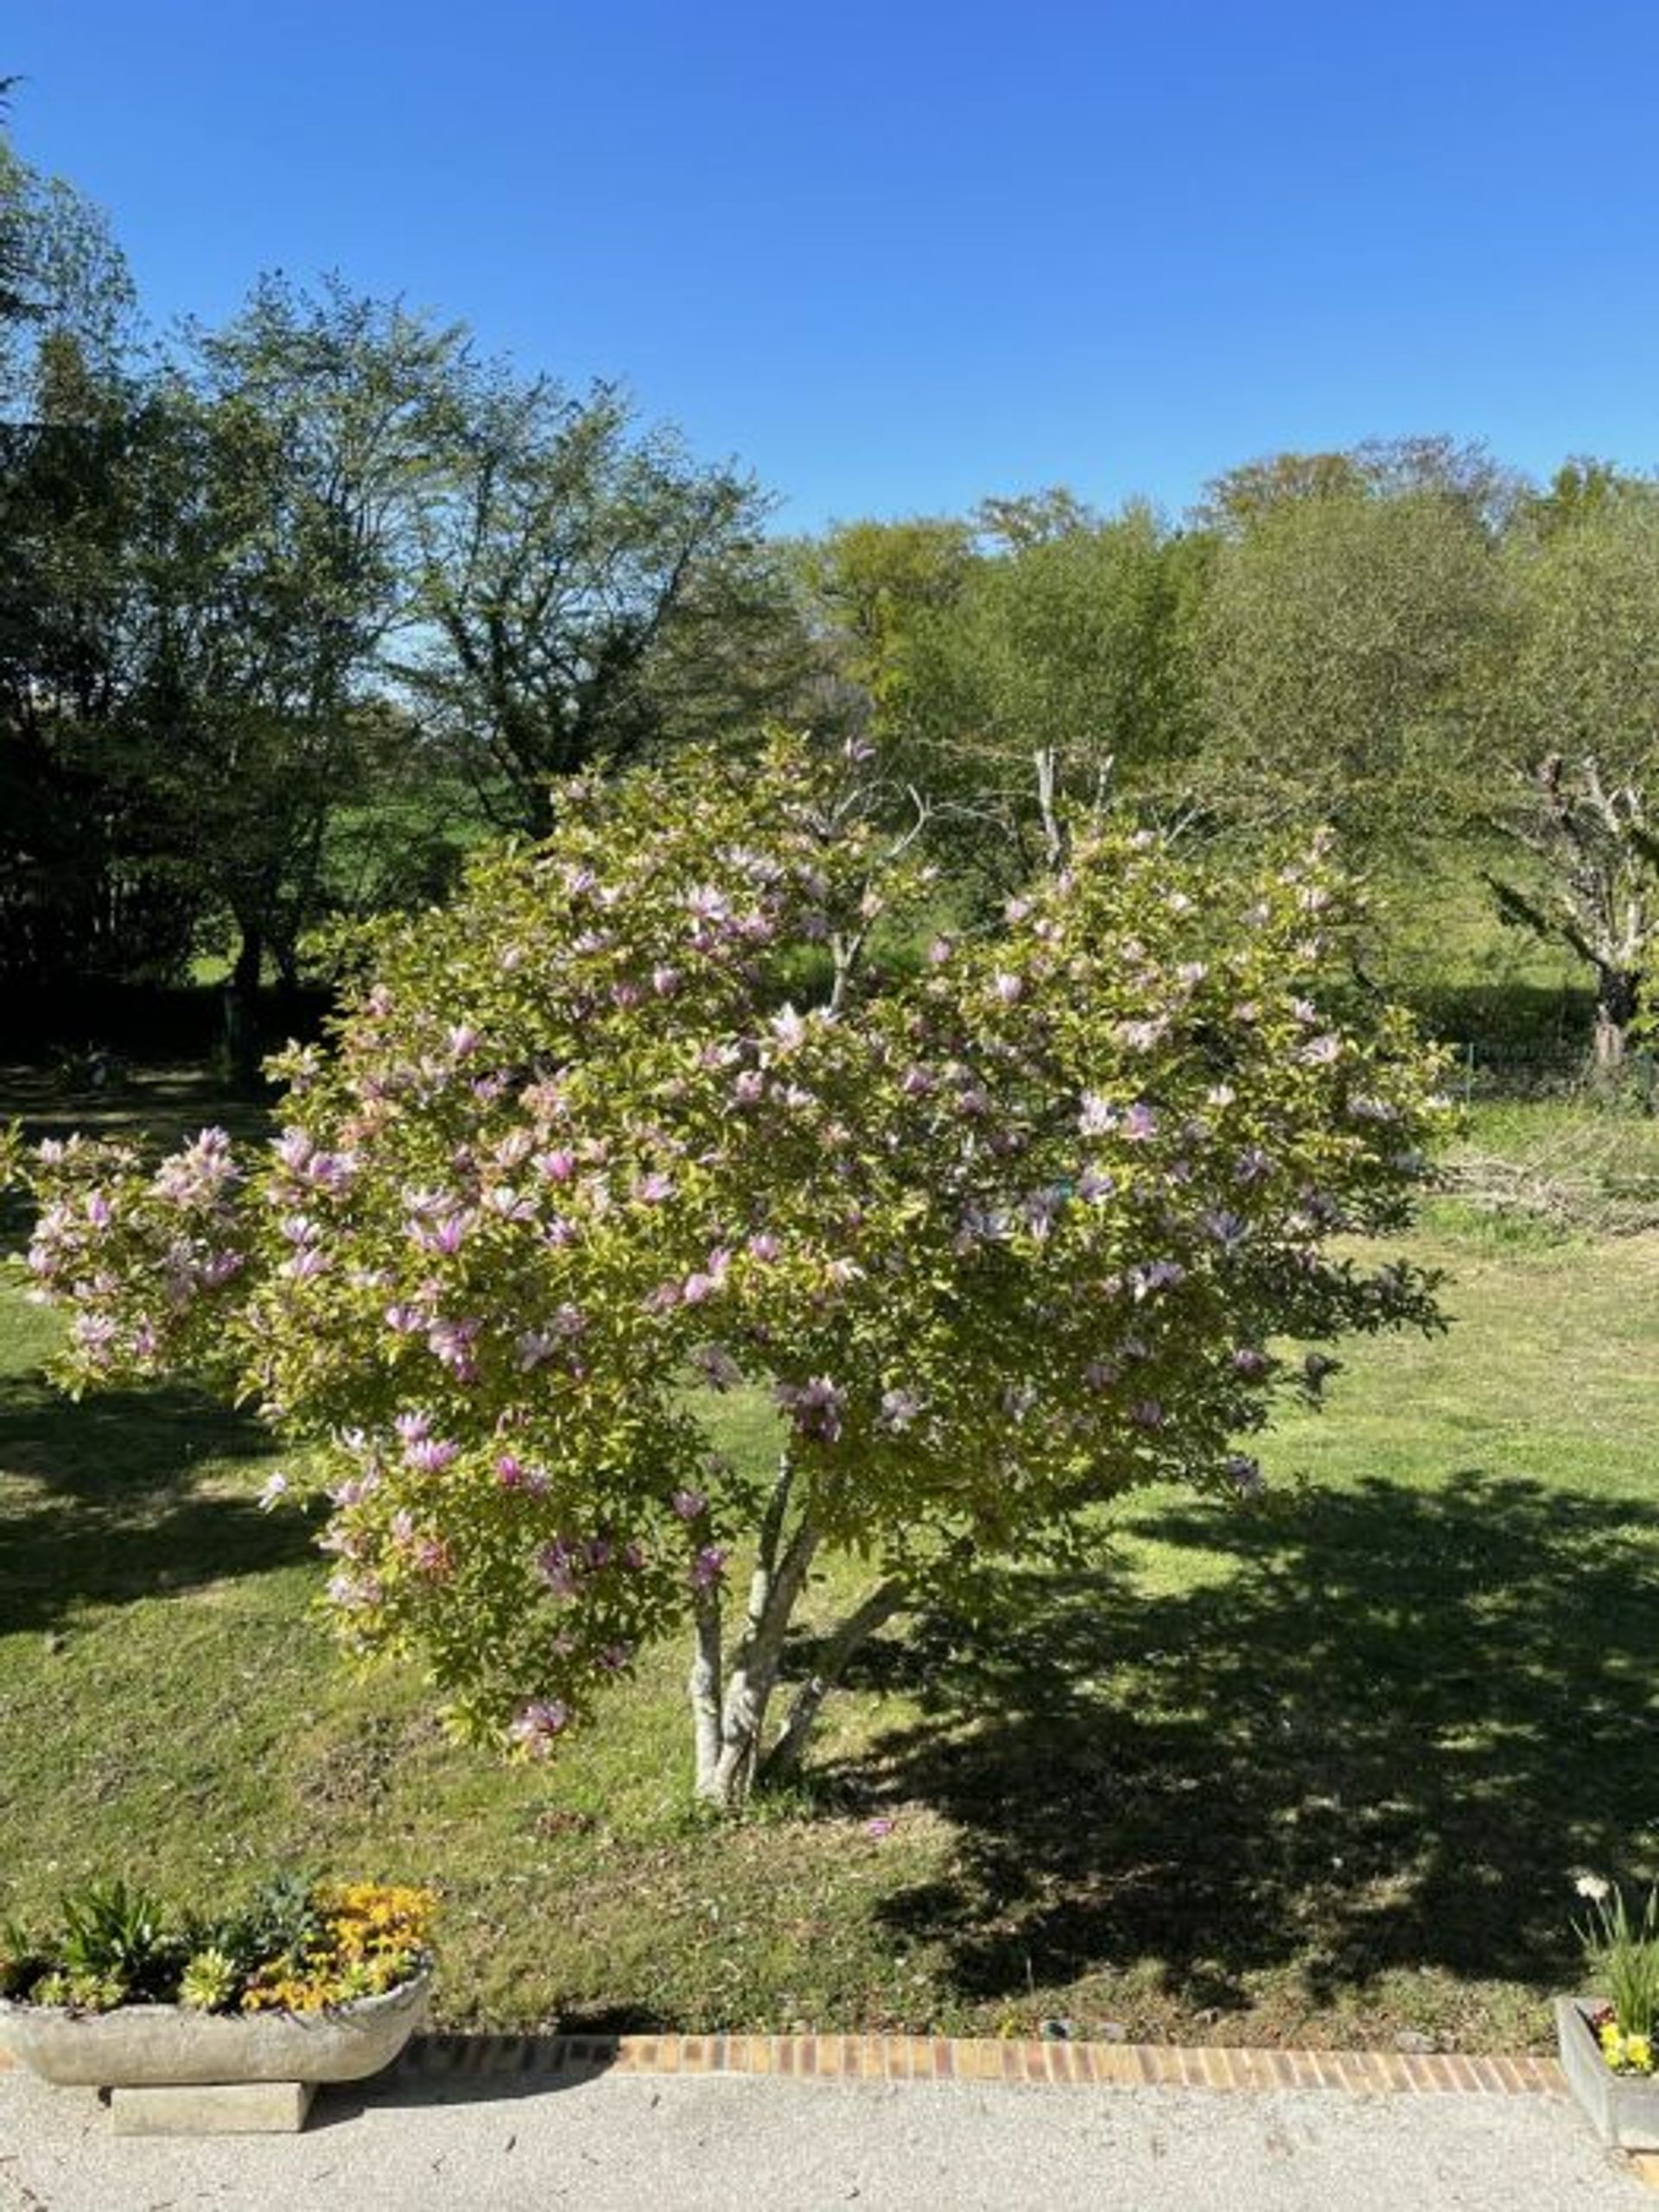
(513, 1473)
(900, 1409)
(815, 1407)
(1098, 1115)
(446, 1236)
(704, 903)
(331, 1170)
(557, 1564)
(431, 1455)
(708, 1567)
(537, 1725)
(451, 1342)
(354, 1593)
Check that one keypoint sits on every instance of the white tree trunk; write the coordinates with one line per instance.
(730, 1699)
(705, 1689)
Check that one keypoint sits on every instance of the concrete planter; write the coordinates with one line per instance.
(1624, 2108)
(174, 2071)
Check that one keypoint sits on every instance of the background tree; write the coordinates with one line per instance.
(81, 892)
(871, 588)
(1072, 641)
(1337, 639)
(586, 594)
(276, 563)
(1568, 765)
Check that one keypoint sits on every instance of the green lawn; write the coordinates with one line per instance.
(1316, 1773)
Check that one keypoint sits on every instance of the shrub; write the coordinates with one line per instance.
(1004, 1237)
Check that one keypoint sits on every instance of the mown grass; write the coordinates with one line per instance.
(1318, 1772)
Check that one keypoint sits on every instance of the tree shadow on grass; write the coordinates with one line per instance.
(103, 1503)
(1385, 1740)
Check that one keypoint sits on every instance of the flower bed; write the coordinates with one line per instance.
(1607, 2045)
(297, 1947)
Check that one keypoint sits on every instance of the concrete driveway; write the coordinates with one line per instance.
(614, 2141)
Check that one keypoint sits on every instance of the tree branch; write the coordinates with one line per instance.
(876, 1610)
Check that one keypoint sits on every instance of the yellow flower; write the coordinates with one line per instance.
(1638, 2053)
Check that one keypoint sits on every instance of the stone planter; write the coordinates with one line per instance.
(1624, 2108)
(174, 2071)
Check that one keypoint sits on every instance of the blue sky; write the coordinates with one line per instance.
(896, 257)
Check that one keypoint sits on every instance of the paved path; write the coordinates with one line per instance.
(628, 2142)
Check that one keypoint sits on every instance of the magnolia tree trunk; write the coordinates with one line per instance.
(731, 1697)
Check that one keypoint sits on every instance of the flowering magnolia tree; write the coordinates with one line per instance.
(636, 1118)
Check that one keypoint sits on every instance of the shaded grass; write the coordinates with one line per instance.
(1317, 1772)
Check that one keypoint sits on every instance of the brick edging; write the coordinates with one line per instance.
(944, 2058)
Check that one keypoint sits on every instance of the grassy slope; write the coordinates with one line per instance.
(1323, 1771)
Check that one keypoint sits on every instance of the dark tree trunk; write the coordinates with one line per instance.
(1617, 993)
(242, 1013)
